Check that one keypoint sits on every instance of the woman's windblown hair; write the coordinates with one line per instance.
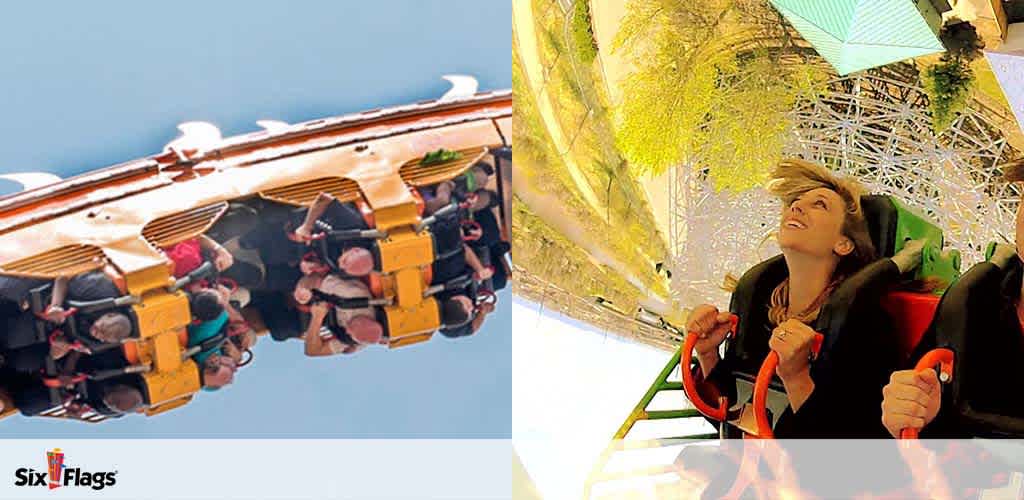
(791, 179)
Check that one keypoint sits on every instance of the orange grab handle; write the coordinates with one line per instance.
(944, 359)
(764, 378)
(690, 386)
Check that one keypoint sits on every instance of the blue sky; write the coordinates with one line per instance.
(84, 86)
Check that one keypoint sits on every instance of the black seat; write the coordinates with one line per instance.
(755, 287)
(754, 291)
(858, 294)
(977, 321)
(882, 218)
(444, 227)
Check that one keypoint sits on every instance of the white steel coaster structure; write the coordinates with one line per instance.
(873, 125)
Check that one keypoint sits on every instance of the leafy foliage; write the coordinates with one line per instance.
(582, 33)
(623, 226)
(704, 91)
(961, 41)
(440, 156)
(948, 84)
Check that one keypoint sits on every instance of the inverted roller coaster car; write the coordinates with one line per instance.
(117, 219)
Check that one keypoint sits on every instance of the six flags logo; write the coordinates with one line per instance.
(54, 464)
(58, 476)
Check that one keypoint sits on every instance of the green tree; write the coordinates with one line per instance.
(948, 82)
(707, 90)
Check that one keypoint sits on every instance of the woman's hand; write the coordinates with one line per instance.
(319, 311)
(911, 399)
(59, 347)
(485, 274)
(223, 259)
(792, 340)
(54, 314)
(304, 234)
(711, 328)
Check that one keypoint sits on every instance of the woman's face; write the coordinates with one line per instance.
(302, 295)
(812, 225)
(483, 198)
(308, 266)
(219, 371)
(480, 177)
(465, 302)
(356, 261)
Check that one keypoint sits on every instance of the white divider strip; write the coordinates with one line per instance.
(265, 469)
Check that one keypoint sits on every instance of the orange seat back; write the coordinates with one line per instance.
(131, 352)
(912, 314)
(375, 284)
(367, 212)
(428, 275)
(420, 204)
(118, 278)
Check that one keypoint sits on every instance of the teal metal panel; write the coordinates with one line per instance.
(828, 46)
(833, 16)
(892, 23)
(853, 35)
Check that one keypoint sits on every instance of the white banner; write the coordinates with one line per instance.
(265, 469)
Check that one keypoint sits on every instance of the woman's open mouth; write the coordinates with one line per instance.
(794, 224)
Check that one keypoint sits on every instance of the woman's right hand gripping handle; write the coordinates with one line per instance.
(706, 329)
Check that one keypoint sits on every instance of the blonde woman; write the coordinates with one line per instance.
(824, 239)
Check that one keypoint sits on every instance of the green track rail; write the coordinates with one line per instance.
(640, 412)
